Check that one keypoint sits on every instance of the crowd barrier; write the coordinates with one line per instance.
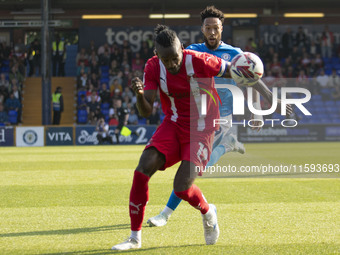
(67, 135)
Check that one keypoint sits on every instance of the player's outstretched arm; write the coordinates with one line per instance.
(262, 88)
(145, 98)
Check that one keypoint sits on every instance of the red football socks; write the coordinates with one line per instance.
(194, 197)
(139, 196)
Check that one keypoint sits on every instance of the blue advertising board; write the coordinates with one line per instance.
(87, 135)
(6, 136)
(59, 135)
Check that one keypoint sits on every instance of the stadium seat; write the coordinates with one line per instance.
(82, 116)
(105, 106)
(142, 121)
(329, 103)
(13, 116)
(104, 80)
(104, 69)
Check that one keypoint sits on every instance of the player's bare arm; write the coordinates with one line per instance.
(257, 105)
(262, 88)
(145, 99)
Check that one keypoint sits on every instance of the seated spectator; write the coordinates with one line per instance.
(82, 57)
(305, 61)
(133, 117)
(296, 56)
(15, 74)
(2, 98)
(82, 103)
(93, 57)
(82, 82)
(116, 88)
(104, 59)
(318, 61)
(102, 49)
(127, 92)
(137, 63)
(3, 116)
(3, 81)
(13, 103)
(119, 76)
(94, 68)
(251, 45)
(94, 94)
(114, 68)
(269, 79)
(82, 68)
(93, 109)
(322, 79)
(275, 67)
(105, 94)
(95, 81)
(17, 95)
(302, 79)
(334, 80)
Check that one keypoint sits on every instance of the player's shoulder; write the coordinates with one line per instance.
(197, 47)
(152, 63)
(228, 47)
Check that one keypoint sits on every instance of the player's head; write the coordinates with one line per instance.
(168, 48)
(212, 26)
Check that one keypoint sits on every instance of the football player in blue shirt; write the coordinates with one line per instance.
(225, 138)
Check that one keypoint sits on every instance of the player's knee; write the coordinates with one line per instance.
(150, 161)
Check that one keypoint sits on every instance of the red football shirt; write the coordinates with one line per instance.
(185, 95)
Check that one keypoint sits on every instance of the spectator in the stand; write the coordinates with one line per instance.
(296, 55)
(334, 80)
(318, 61)
(58, 51)
(103, 131)
(327, 41)
(322, 81)
(269, 79)
(94, 68)
(137, 63)
(6, 50)
(302, 79)
(15, 74)
(301, 39)
(287, 42)
(116, 55)
(13, 103)
(313, 49)
(126, 102)
(3, 81)
(114, 68)
(95, 80)
(305, 61)
(2, 98)
(276, 66)
(3, 116)
(105, 94)
(82, 57)
(127, 92)
(17, 95)
(92, 46)
(262, 49)
(312, 68)
(116, 88)
(270, 54)
(104, 59)
(82, 81)
(93, 57)
(154, 118)
(127, 49)
(251, 45)
(82, 104)
(95, 94)
(82, 68)
(4, 93)
(93, 109)
(133, 117)
(103, 48)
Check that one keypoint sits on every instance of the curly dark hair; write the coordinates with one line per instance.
(164, 36)
(212, 12)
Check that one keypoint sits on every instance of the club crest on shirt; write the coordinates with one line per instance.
(226, 56)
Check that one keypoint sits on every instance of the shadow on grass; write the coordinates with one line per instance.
(109, 251)
(68, 231)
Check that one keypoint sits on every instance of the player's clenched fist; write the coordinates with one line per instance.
(137, 86)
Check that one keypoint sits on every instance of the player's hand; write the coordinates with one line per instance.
(289, 108)
(137, 86)
(257, 123)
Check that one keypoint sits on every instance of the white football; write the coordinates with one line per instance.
(246, 68)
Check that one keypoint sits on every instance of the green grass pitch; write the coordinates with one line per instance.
(74, 200)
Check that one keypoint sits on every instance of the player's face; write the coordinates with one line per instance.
(171, 57)
(212, 31)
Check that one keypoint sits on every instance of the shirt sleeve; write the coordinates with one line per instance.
(150, 78)
(209, 65)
